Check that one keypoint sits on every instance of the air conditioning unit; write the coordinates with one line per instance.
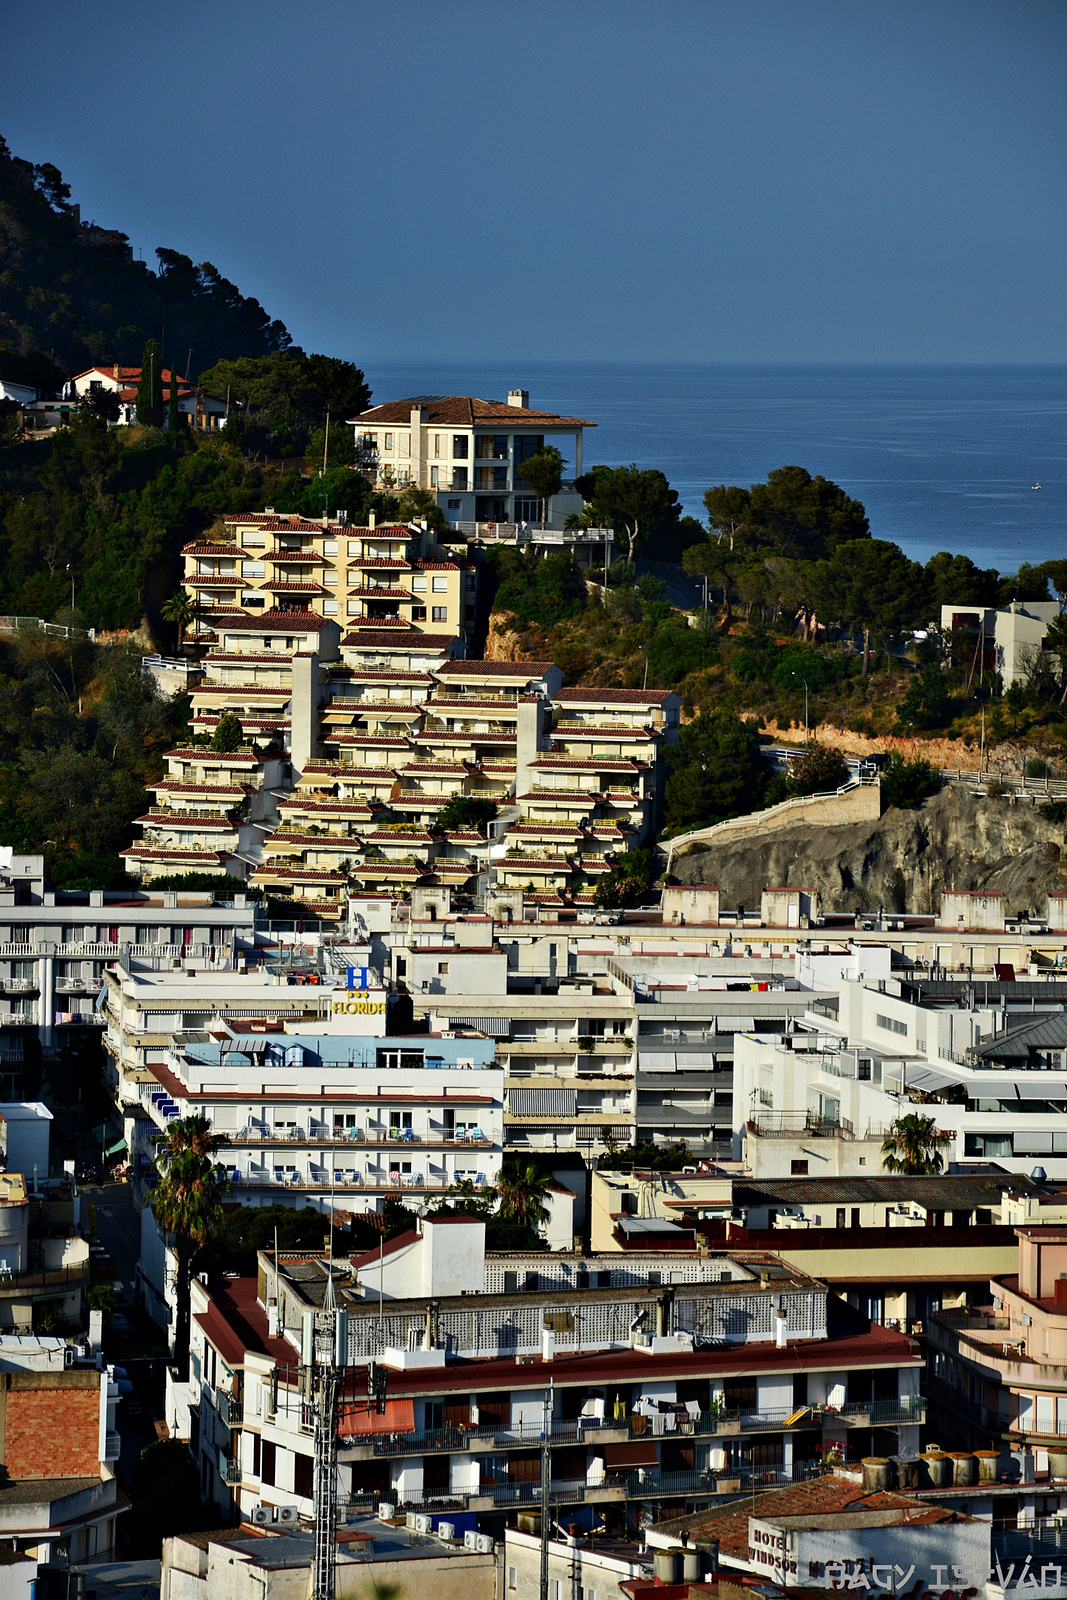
(289, 1516)
(262, 1516)
(423, 1524)
(484, 1544)
(470, 1540)
(446, 1530)
(386, 1510)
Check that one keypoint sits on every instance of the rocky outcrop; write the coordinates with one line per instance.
(903, 861)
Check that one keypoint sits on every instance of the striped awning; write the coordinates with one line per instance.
(543, 1102)
(495, 1027)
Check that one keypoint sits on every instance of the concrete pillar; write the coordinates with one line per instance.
(530, 740)
(304, 732)
(46, 1013)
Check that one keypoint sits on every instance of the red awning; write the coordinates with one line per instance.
(398, 1417)
(635, 1454)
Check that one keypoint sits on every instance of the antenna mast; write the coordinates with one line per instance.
(323, 1358)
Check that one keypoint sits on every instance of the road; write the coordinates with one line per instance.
(118, 1226)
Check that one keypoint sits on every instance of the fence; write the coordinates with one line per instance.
(54, 630)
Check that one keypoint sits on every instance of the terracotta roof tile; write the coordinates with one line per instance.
(464, 410)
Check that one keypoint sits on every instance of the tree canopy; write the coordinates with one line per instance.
(792, 513)
(283, 397)
(715, 771)
(73, 288)
(637, 503)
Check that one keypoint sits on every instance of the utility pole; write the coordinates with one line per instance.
(546, 1483)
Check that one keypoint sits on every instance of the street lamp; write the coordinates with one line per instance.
(804, 681)
(70, 569)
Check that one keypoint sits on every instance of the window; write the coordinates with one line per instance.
(418, 613)
(331, 577)
(410, 1059)
(440, 585)
(353, 608)
(455, 505)
(891, 1025)
(840, 1223)
(442, 969)
(255, 569)
(252, 539)
(468, 580)
(511, 1577)
(798, 1169)
(353, 548)
(388, 441)
(527, 510)
(459, 478)
(418, 585)
(435, 473)
(329, 547)
(440, 614)
(459, 446)
(329, 608)
(437, 444)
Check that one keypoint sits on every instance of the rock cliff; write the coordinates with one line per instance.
(903, 861)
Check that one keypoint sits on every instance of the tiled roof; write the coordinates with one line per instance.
(828, 1495)
(613, 697)
(175, 853)
(460, 767)
(596, 763)
(586, 796)
(236, 690)
(293, 586)
(276, 622)
(232, 758)
(235, 791)
(368, 639)
(523, 670)
(299, 874)
(185, 819)
(465, 411)
(470, 703)
(601, 730)
(198, 548)
(379, 561)
(281, 657)
(458, 736)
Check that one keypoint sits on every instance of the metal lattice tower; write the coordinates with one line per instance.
(324, 1362)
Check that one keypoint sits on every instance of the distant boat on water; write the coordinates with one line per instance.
(1035, 486)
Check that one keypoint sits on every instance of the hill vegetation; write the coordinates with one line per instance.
(73, 295)
(809, 616)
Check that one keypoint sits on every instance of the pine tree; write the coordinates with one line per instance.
(174, 418)
(150, 388)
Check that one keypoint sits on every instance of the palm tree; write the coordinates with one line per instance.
(913, 1147)
(180, 609)
(522, 1193)
(186, 1199)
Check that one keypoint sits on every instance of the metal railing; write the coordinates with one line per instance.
(787, 1124)
(230, 1470)
(53, 1278)
(230, 1408)
(459, 1437)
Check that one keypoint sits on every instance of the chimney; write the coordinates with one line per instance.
(371, 520)
(520, 398)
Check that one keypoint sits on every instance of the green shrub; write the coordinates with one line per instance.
(906, 784)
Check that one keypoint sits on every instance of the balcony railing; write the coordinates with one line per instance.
(112, 1446)
(230, 1408)
(230, 1470)
(55, 1278)
(874, 1413)
(371, 1139)
(791, 1124)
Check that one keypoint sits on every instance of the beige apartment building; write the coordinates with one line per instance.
(470, 452)
(387, 576)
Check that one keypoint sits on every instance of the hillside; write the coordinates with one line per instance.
(904, 861)
(72, 295)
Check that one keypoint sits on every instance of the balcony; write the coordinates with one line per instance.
(799, 1124)
(230, 1471)
(230, 1408)
(373, 1138)
(906, 1411)
(112, 1446)
(19, 985)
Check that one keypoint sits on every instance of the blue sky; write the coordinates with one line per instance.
(612, 180)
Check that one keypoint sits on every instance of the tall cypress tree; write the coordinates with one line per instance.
(150, 388)
(173, 414)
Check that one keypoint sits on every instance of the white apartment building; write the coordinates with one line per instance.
(673, 1376)
(470, 453)
(56, 946)
(986, 1060)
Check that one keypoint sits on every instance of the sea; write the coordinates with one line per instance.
(970, 459)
